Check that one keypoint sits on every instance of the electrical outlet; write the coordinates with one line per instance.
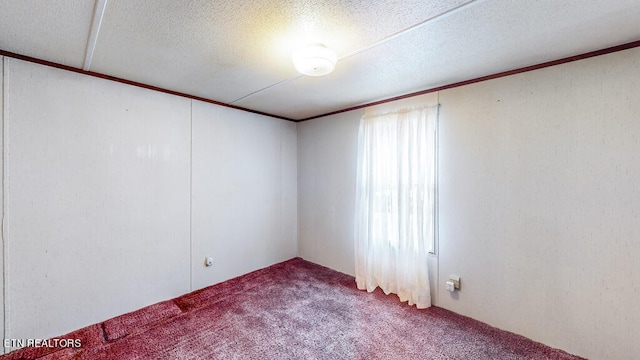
(208, 261)
(455, 279)
(450, 286)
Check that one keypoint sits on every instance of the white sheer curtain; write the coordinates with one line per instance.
(395, 189)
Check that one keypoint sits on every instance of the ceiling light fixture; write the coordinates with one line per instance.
(314, 60)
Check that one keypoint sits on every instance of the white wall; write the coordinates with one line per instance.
(327, 157)
(539, 203)
(539, 207)
(98, 183)
(97, 199)
(244, 192)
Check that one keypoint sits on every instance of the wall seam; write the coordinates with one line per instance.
(437, 201)
(281, 226)
(191, 196)
(297, 192)
(296, 223)
(5, 244)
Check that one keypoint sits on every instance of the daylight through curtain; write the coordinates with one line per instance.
(395, 189)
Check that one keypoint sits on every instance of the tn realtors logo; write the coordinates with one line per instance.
(52, 343)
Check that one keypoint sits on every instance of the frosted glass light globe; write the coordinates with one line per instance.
(314, 60)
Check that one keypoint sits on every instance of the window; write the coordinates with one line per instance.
(395, 202)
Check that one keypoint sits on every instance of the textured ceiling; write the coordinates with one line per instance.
(239, 52)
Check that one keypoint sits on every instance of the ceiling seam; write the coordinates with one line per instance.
(406, 30)
(370, 46)
(266, 88)
(96, 23)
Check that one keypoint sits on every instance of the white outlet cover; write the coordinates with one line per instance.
(208, 261)
(450, 286)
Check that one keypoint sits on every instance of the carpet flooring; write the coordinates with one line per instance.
(291, 310)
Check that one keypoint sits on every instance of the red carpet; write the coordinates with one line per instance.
(292, 310)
